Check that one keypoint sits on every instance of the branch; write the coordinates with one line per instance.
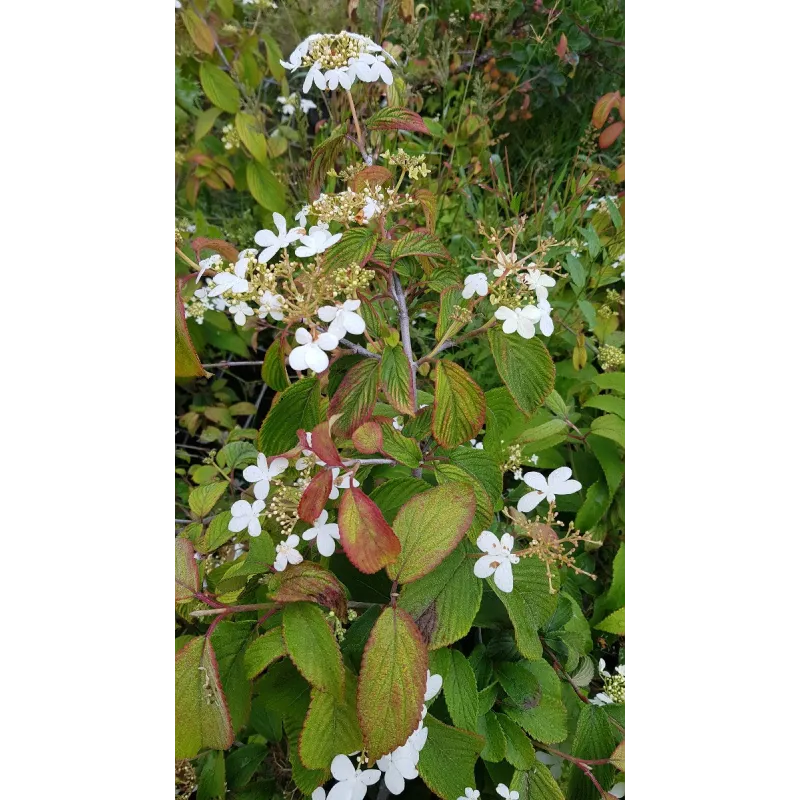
(399, 296)
(213, 612)
(226, 364)
(357, 348)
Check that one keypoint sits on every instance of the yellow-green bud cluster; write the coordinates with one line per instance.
(611, 358)
(334, 50)
(230, 137)
(414, 165)
(349, 280)
(615, 688)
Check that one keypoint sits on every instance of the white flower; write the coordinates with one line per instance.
(241, 311)
(519, 320)
(316, 76)
(306, 106)
(178, 4)
(310, 353)
(351, 783)
(477, 283)
(287, 104)
(601, 668)
(432, 686)
(308, 456)
(399, 766)
(617, 790)
(345, 482)
(502, 790)
(234, 282)
(545, 323)
(286, 553)
(324, 534)
(260, 474)
(601, 699)
(317, 240)
(470, 794)
(557, 482)
(338, 76)
(476, 444)
(370, 68)
(301, 215)
(273, 242)
(498, 561)
(397, 423)
(272, 305)
(539, 282)
(371, 208)
(342, 318)
(554, 763)
(245, 515)
(212, 262)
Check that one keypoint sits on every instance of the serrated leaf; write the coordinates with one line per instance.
(459, 407)
(322, 159)
(391, 684)
(613, 623)
(402, 449)
(594, 507)
(539, 710)
(230, 640)
(449, 299)
(594, 739)
(368, 541)
(519, 749)
(331, 727)
(211, 780)
(525, 367)
(252, 136)
(618, 757)
(610, 380)
(607, 402)
(187, 362)
(242, 764)
(390, 496)
(203, 499)
(267, 190)
(393, 118)
(263, 651)
(429, 526)
(201, 713)
(187, 578)
(482, 467)
(313, 648)
(611, 427)
(200, 32)
(396, 379)
(461, 691)
(298, 406)
(447, 762)
(427, 199)
(370, 176)
(368, 438)
(576, 270)
(219, 87)
(489, 727)
(273, 370)
(311, 582)
(217, 533)
(484, 513)
(419, 242)
(536, 784)
(355, 398)
(315, 496)
(605, 451)
(356, 246)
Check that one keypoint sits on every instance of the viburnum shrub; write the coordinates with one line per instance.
(380, 587)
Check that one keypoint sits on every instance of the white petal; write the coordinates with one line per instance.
(302, 336)
(325, 544)
(507, 540)
(536, 481)
(394, 781)
(484, 566)
(503, 578)
(327, 341)
(502, 790)
(238, 524)
(280, 562)
(433, 685)
(525, 327)
(277, 466)
(342, 769)
(297, 358)
(261, 489)
(353, 323)
(488, 542)
(253, 474)
(529, 501)
(316, 359)
(327, 313)
(294, 557)
(254, 527)
(305, 252)
(369, 776)
(546, 325)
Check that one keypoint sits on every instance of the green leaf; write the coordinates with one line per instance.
(525, 367)
(530, 605)
(592, 240)
(187, 363)
(461, 691)
(576, 271)
(394, 118)
(594, 739)
(201, 34)
(610, 426)
(323, 158)
(481, 466)
(536, 784)
(396, 379)
(614, 597)
(313, 648)
(267, 190)
(201, 713)
(613, 623)
(459, 407)
(252, 137)
(536, 704)
(217, 533)
(449, 299)
(205, 122)
(484, 512)
(489, 727)
(429, 526)
(594, 507)
(230, 640)
(402, 449)
(447, 762)
(610, 380)
(331, 727)
(242, 764)
(297, 407)
(274, 56)
(368, 541)
(211, 781)
(391, 685)
(187, 578)
(273, 370)
(607, 402)
(390, 496)
(608, 455)
(444, 602)
(519, 749)
(419, 242)
(263, 651)
(355, 398)
(204, 498)
(539, 433)
(356, 246)
(219, 87)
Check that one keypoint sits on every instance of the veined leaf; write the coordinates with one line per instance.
(219, 87)
(611, 427)
(419, 242)
(356, 397)
(298, 406)
(198, 29)
(368, 438)
(267, 190)
(252, 137)
(519, 749)
(459, 407)
(356, 246)
(263, 651)
(315, 496)
(390, 496)
(594, 739)
(203, 499)
(391, 684)
(322, 444)
(489, 727)
(230, 640)
(447, 762)
(366, 537)
(461, 691)
(323, 158)
(396, 379)
(394, 118)
(187, 363)
(613, 623)
(449, 299)
(402, 449)
(187, 578)
(536, 784)
(308, 581)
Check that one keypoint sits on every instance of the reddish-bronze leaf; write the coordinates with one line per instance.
(322, 444)
(366, 537)
(603, 108)
(308, 581)
(187, 362)
(356, 397)
(367, 438)
(561, 49)
(610, 134)
(315, 496)
(393, 118)
(391, 685)
(374, 176)
(226, 250)
(187, 578)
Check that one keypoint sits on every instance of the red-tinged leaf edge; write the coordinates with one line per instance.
(393, 118)
(309, 582)
(602, 108)
(189, 366)
(185, 551)
(315, 496)
(367, 538)
(368, 438)
(322, 444)
(375, 176)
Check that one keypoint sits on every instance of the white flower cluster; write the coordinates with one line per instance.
(335, 60)
(290, 104)
(614, 686)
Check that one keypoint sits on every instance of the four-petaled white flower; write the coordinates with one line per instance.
(339, 76)
(342, 318)
(399, 766)
(272, 305)
(234, 282)
(324, 532)
(545, 322)
(345, 482)
(301, 216)
(306, 105)
(476, 444)
(310, 353)
(244, 515)
(503, 791)
(370, 68)
(498, 560)
(351, 784)
(286, 553)
(601, 668)
(287, 104)
(273, 242)
(316, 241)
(470, 794)
(212, 262)
(420, 736)
(553, 763)
(432, 686)
(260, 474)
(540, 282)
(477, 283)
(557, 482)
(371, 208)
(308, 456)
(240, 311)
(519, 320)
(315, 76)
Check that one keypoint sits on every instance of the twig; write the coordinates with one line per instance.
(215, 612)
(226, 364)
(399, 296)
(258, 403)
(357, 348)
